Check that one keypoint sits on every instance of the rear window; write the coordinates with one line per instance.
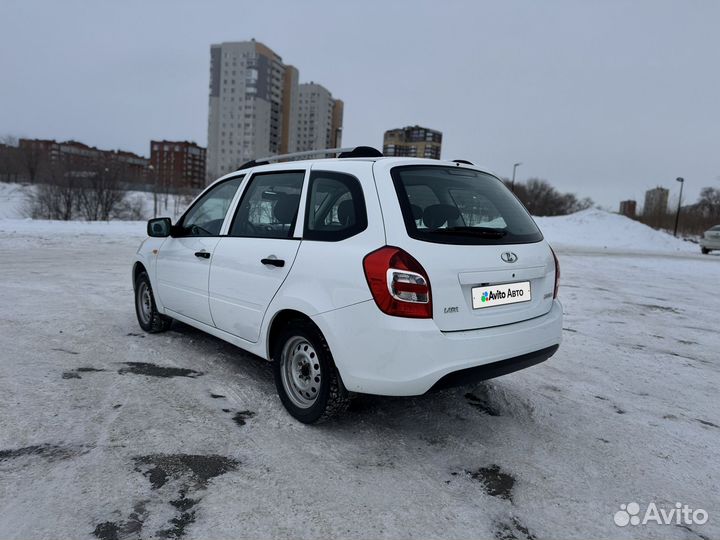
(455, 205)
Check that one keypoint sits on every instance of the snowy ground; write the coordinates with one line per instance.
(109, 432)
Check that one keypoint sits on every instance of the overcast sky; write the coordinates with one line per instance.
(602, 98)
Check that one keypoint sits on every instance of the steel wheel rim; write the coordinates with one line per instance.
(300, 372)
(144, 303)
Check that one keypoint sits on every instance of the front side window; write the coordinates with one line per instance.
(269, 206)
(335, 207)
(206, 216)
(455, 205)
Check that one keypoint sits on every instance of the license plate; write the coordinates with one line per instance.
(500, 295)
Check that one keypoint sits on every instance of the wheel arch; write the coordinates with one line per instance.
(138, 268)
(278, 322)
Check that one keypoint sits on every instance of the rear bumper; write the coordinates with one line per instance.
(379, 354)
(495, 369)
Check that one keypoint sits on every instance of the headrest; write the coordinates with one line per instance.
(416, 211)
(286, 208)
(436, 215)
(346, 213)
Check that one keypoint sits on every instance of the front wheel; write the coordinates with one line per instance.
(306, 378)
(704, 251)
(148, 316)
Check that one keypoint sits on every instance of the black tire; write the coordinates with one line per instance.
(704, 251)
(330, 397)
(148, 316)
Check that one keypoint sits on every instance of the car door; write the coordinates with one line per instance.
(183, 261)
(250, 263)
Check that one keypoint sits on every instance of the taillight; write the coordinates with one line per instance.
(557, 274)
(398, 283)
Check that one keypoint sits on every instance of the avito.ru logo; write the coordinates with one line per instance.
(682, 514)
(487, 296)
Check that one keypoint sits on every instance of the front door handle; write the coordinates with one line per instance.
(202, 254)
(273, 262)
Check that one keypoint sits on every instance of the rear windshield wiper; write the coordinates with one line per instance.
(487, 232)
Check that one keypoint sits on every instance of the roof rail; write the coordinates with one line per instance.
(361, 151)
(252, 163)
(358, 151)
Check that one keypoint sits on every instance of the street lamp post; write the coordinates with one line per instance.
(512, 184)
(677, 214)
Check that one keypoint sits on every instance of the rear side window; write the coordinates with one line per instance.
(335, 207)
(455, 205)
(269, 206)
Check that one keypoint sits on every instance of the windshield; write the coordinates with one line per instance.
(455, 205)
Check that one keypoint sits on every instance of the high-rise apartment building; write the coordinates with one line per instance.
(177, 164)
(253, 105)
(319, 118)
(628, 208)
(412, 141)
(656, 201)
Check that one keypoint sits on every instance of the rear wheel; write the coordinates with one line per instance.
(148, 316)
(704, 251)
(306, 378)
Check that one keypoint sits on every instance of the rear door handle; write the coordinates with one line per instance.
(273, 262)
(202, 254)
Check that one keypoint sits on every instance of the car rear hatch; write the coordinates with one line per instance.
(516, 291)
(485, 259)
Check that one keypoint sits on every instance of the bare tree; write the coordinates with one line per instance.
(10, 170)
(709, 201)
(100, 193)
(57, 199)
(542, 199)
(33, 161)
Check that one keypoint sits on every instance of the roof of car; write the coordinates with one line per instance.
(390, 159)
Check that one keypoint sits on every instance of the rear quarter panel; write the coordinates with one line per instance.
(329, 275)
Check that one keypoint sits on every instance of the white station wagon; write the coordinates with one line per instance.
(360, 273)
(710, 240)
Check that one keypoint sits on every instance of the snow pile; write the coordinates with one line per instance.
(12, 201)
(594, 229)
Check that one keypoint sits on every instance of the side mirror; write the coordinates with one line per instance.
(159, 227)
